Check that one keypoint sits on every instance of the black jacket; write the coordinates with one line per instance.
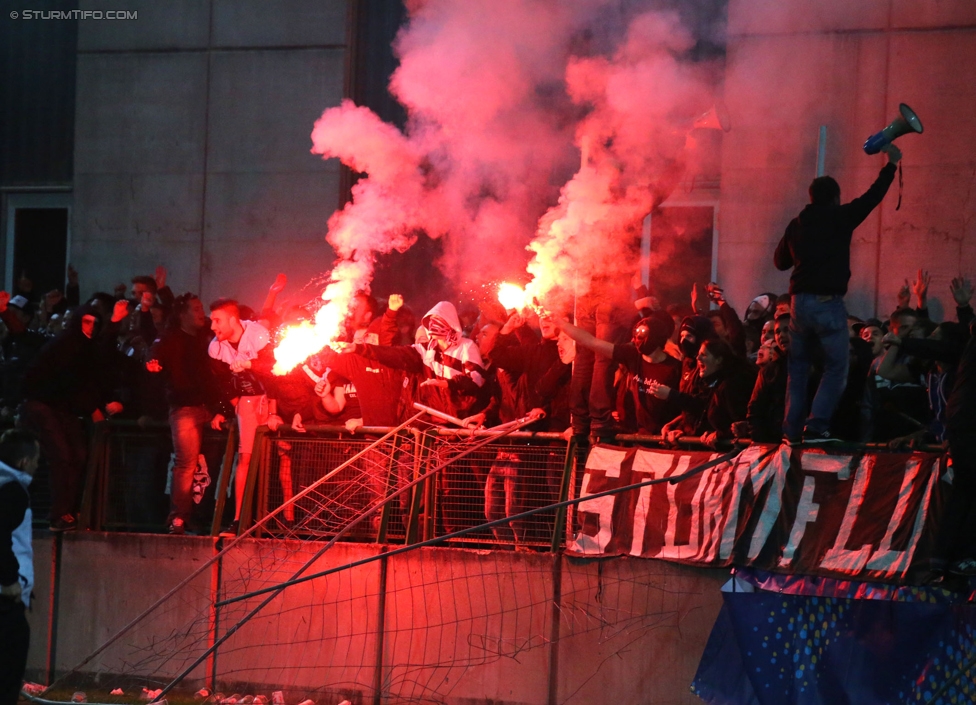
(73, 373)
(767, 406)
(714, 404)
(542, 375)
(960, 411)
(817, 243)
(187, 370)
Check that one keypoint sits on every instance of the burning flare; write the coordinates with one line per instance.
(299, 342)
(511, 296)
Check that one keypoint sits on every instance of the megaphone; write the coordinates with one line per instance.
(903, 124)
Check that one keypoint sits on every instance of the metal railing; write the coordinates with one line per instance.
(128, 465)
(126, 484)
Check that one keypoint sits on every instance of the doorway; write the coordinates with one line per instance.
(38, 239)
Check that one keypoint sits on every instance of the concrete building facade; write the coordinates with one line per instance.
(192, 144)
(192, 122)
(794, 66)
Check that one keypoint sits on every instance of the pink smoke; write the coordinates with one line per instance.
(502, 98)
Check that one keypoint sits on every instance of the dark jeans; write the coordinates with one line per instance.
(817, 321)
(65, 448)
(187, 424)
(14, 643)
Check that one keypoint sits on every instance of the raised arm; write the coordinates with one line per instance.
(587, 340)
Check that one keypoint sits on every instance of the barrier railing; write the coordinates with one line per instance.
(520, 471)
(127, 482)
(126, 486)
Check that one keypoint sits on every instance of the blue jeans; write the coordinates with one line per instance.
(187, 424)
(816, 321)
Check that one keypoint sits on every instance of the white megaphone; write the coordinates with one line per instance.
(903, 124)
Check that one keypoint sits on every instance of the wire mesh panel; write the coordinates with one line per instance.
(296, 462)
(499, 480)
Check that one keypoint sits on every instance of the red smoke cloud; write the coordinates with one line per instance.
(502, 98)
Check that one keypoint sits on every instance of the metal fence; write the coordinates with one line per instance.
(127, 483)
(128, 467)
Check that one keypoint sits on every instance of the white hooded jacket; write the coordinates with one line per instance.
(460, 358)
(22, 535)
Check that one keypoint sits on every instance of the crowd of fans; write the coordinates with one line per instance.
(630, 363)
(693, 370)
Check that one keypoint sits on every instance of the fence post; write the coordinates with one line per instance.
(258, 453)
(94, 480)
(559, 523)
(220, 497)
(413, 516)
(388, 486)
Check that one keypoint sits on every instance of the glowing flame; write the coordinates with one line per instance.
(301, 341)
(511, 296)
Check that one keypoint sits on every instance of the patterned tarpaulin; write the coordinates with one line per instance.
(769, 648)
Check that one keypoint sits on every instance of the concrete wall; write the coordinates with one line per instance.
(458, 626)
(192, 143)
(794, 65)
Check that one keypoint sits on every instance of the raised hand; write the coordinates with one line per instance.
(905, 295)
(154, 366)
(120, 311)
(4, 300)
(715, 293)
(160, 276)
(395, 302)
(921, 288)
(894, 154)
(514, 322)
(695, 299)
(323, 387)
(961, 288)
(279, 283)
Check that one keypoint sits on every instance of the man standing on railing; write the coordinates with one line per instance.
(817, 247)
(180, 355)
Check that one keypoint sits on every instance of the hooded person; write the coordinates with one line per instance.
(18, 460)
(448, 371)
(72, 377)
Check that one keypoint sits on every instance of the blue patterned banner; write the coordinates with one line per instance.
(768, 648)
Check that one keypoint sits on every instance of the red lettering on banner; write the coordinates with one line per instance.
(608, 461)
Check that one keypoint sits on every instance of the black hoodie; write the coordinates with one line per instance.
(73, 373)
(817, 243)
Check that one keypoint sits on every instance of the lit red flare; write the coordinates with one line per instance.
(511, 296)
(299, 342)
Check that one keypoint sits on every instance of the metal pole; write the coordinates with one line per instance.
(822, 150)
(645, 264)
